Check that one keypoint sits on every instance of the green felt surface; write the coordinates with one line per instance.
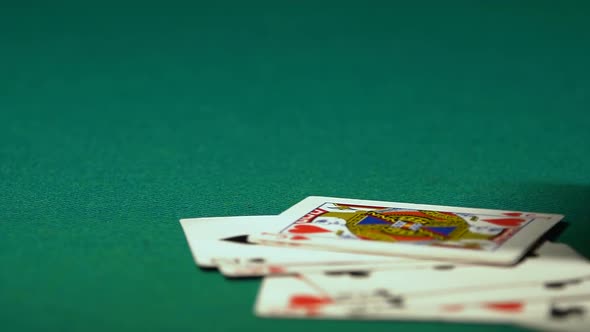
(119, 118)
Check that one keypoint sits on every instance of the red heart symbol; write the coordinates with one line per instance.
(309, 303)
(513, 214)
(505, 306)
(505, 222)
(305, 229)
(275, 269)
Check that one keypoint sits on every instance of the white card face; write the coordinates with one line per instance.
(556, 265)
(552, 313)
(402, 229)
(290, 296)
(335, 268)
(570, 314)
(559, 304)
(221, 242)
(211, 237)
(296, 297)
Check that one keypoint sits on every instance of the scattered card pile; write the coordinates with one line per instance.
(334, 258)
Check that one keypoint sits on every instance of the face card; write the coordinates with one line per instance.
(402, 229)
(217, 242)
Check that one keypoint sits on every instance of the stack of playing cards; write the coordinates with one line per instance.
(334, 258)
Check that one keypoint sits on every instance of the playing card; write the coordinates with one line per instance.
(571, 314)
(561, 304)
(294, 296)
(220, 236)
(221, 241)
(518, 305)
(554, 267)
(290, 296)
(402, 229)
(235, 269)
(550, 313)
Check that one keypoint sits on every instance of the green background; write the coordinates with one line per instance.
(119, 118)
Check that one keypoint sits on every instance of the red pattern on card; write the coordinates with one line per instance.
(309, 303)
(307, 229)
(275, 269)
(299, 237)
(505, 306)
(512, 214)
(505, 222)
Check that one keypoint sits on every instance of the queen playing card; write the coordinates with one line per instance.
(413, 230)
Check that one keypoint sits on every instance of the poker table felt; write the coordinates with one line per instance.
(119, 118)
